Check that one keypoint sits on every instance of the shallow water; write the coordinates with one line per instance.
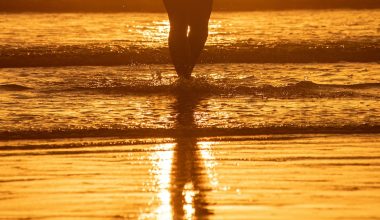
(223, 96)
(258, 177)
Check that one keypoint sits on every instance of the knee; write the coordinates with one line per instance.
(199, 31)
(178, 29)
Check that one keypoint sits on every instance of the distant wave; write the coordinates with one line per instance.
(103, 55)
(186, 132)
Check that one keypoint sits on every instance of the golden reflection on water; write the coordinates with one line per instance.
(183, 172)
(162, 165)
(189, 194)
(156, 32)
(209, 162)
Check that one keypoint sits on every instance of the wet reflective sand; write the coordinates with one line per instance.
(262, 177)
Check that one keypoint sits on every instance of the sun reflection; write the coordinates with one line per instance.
(157, 32)
(209, 162)
(215, 27)
(162, 167)
(183, 172)
(188, 194)
(163, 27)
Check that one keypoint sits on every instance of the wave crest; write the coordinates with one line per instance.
(202, 87)
(104, 55)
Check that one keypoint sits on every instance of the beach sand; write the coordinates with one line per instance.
(252, 177)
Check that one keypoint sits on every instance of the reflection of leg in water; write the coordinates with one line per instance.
(189, 187)
(185, 48)
(184, 109)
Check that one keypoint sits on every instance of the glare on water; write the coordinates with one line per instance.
(120, 30)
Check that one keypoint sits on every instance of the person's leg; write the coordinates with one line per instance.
(178, 41)
(199, 16)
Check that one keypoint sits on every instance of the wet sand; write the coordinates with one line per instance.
(255, 177)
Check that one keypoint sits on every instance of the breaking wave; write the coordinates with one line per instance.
(201, 87)
(105, 55)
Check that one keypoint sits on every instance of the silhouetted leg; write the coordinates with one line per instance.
(179, 49)
(200, 11)
(178, 41)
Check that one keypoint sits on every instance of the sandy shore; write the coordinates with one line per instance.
(262, 177)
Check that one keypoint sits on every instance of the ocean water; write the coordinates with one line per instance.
(68, 76)
(280, 121)
(120, 39)
(68, 100)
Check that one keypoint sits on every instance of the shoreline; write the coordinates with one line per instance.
(190, 132)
